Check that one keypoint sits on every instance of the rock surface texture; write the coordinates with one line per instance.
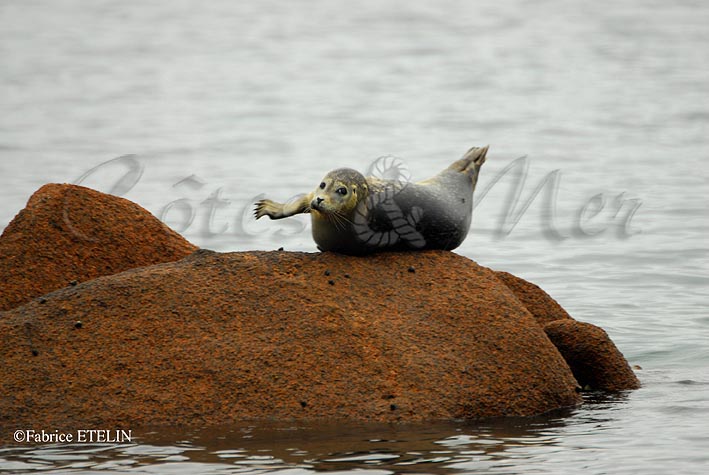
(70, 234)
(218, 338)
(542, 307)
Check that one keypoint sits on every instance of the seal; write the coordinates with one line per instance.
(357, 215)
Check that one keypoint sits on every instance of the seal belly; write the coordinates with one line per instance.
(336, 237)
(445, 208)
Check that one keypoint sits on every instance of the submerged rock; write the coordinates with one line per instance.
(594, 359)
(68, 234)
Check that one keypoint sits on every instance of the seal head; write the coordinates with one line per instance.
(339, 193)
(333, 205)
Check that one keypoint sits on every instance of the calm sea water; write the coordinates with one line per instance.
(221, 102)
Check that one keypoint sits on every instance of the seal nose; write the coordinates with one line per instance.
(315, 204)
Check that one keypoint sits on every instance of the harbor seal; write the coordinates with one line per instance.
(354, 214)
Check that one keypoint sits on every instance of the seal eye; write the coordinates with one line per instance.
(342, 191)
(322, 185)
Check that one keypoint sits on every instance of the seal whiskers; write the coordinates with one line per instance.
(338, 219)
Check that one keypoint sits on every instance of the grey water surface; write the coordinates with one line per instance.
(595, 187)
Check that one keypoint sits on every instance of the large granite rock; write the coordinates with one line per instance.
(225, 337)
(70, 233)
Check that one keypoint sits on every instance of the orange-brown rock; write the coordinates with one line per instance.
(594, 359)
(70, 233)
(540, 304)
(216, 338)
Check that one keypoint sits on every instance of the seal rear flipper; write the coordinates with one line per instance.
(471, 161)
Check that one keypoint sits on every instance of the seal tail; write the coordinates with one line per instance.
(471, 161)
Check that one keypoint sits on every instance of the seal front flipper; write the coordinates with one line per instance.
(296, 205)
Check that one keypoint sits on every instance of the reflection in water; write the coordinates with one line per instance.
(592, 435)
(302, 448)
